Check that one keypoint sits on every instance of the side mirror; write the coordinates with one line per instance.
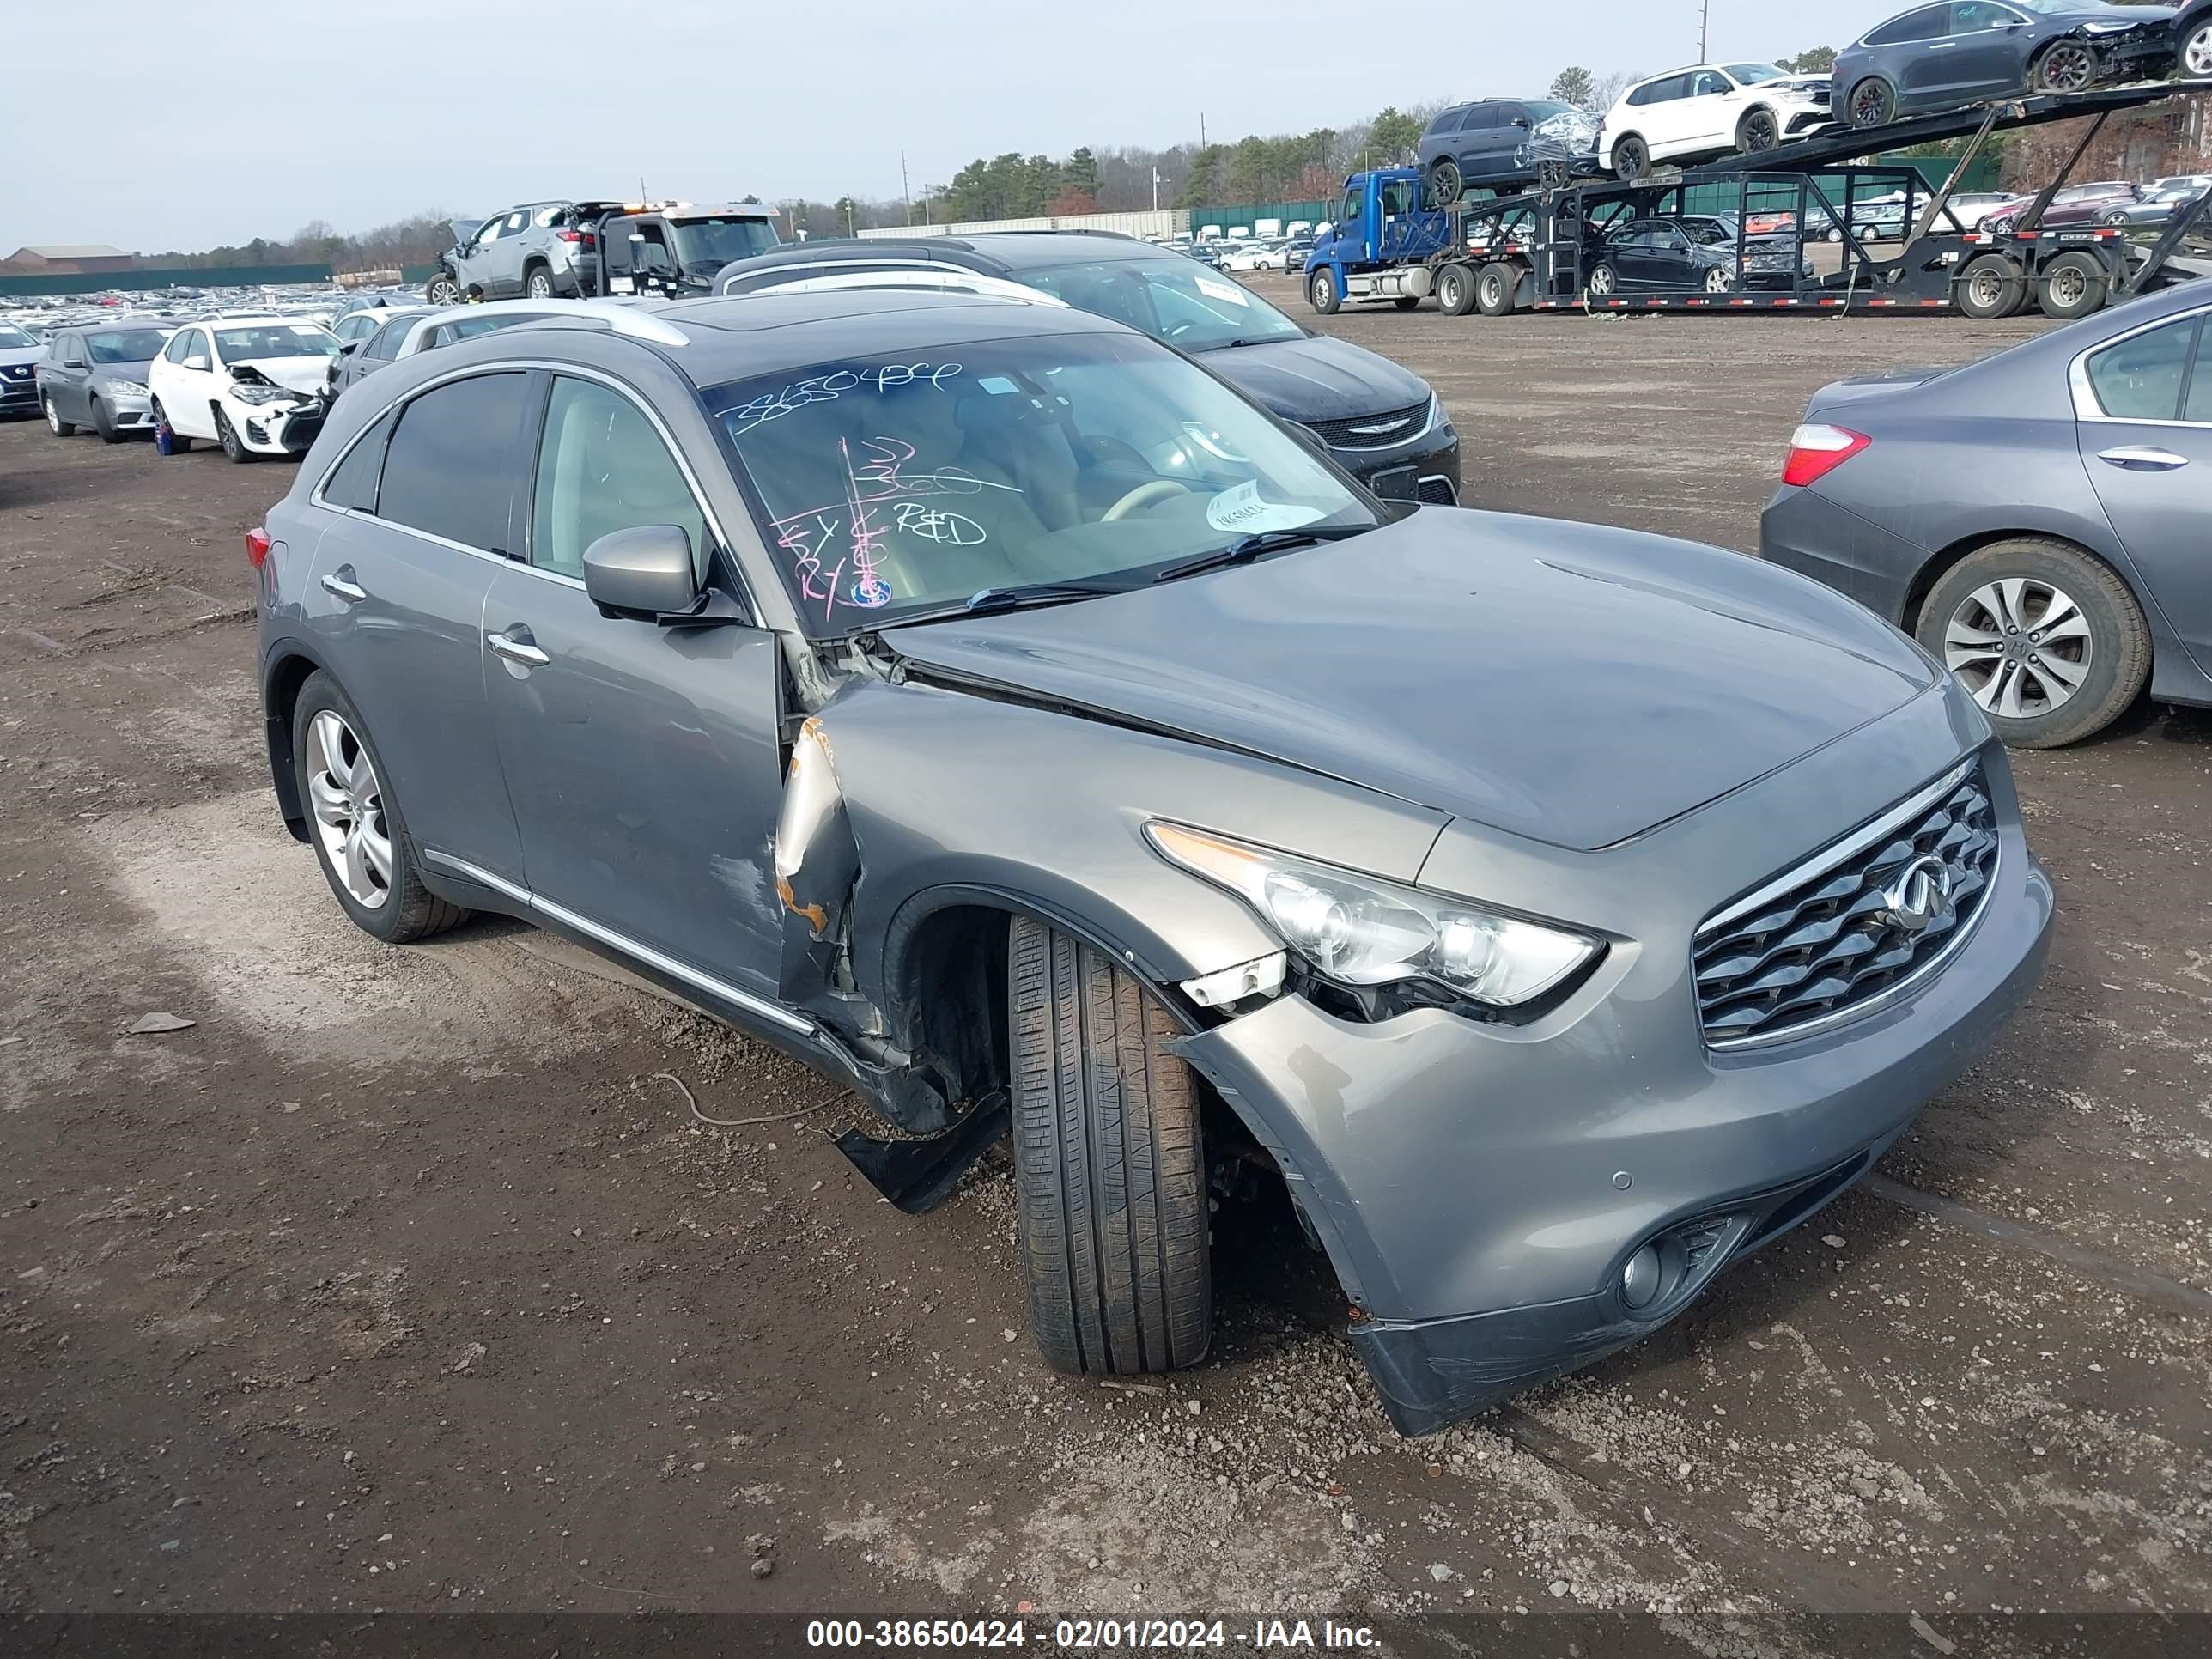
(351, 346)
(644, 572)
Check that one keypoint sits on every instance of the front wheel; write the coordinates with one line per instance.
(354, 825)
(233, 447)
(1445, 184)
(1109, 1164)
(1632, 158)
(1758, 132)
(2047, 639)
(55, 424)
(1873, 103)
(2065, 66)
(1719, 280)
(2072, 285)
(1321, 295)
(1604, 280)
(1991, 287)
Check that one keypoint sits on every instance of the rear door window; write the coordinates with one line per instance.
(1928, 23)
(454, 458)
(2141, 378)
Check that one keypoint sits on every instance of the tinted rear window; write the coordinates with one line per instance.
(454, 459)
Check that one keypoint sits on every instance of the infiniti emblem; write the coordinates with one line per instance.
(1921, 893)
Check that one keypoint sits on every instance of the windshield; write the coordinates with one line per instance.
(1170, 300)
(1752, 74)
(127, 345)
(894, 486)
(275, 340)
(12, 337)
(1544, 111)
(713, 243)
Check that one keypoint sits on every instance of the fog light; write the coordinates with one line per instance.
(1640, 1279)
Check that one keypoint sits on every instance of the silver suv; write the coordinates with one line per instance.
(534, 251)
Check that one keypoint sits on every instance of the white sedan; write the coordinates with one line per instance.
(1252, 256)
(254, 384)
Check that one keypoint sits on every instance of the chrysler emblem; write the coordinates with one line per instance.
(1921, 893)
(1381, 428)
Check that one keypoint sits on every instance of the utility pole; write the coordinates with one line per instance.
(1156, 190)
(905, 189)
(1705, 16)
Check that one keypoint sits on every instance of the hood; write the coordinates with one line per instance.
(134, 372)
(12, 356)
(1573, 684)
(1318, 379)
(295, 374)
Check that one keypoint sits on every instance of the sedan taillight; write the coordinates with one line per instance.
(1817, 451)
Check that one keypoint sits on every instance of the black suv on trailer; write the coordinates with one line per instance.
(1381, 423)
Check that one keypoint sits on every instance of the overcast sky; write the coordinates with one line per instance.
(242, 118)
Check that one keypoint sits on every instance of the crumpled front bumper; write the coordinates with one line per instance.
(1481, 1189)
(278, 428)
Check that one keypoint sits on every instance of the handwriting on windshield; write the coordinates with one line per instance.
(837, 539)
(827, 388)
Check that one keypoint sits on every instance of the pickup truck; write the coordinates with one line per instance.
(577, 250)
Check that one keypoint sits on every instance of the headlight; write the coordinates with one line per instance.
(126, 389)
(2114, 27)
(261, 394)
(1362, 930)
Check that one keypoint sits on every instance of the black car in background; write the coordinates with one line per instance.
(1689, 253)
(1506, 141)
(1382, 423)
(1957, 52)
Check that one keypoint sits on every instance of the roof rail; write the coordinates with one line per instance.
(942, 278)
(621, 316)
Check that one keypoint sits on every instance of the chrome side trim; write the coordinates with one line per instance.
(775, 1014)
(1836, 852)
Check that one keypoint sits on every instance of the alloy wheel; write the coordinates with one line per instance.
(2021, 647)
(541, 285)
(1717, 280)
(2068, 67)
(1759, 132)
(1601, 282)
(444, 291)
(1870, 105)
(348, 802)
(2197, 54)
(53, 418)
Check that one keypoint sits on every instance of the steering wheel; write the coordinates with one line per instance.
(1143, 495)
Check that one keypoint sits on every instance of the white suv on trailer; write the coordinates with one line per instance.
(1710, 110)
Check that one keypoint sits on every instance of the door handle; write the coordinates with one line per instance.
(2143, 457)
(352, 592)
(516, 650)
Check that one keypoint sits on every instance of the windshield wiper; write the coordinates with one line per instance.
(1243, 551)
(992, 600)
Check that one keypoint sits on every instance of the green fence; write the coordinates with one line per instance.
(1982, 175)
(132, 281)
(1229, 217)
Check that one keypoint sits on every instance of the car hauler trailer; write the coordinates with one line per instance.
(1891, 242)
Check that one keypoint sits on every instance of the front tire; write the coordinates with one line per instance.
(55, 424)
(1757, 133)
(1321, 295)
(1632, 158)
(1873, 103)
(1991, 287)
(1720, 280)
(1446, 186)
(2065, 66)
(2046, 638)
(233, 447)
(354, 823)
(1109, 1162)
(1603, 282)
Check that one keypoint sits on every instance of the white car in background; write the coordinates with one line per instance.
(1252, 256)
(1706, 110)
(254, 384)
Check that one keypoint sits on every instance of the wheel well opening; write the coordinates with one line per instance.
(1924, 583)
(285, 680)
(955, 983)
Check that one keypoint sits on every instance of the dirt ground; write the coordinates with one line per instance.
(402, 1279)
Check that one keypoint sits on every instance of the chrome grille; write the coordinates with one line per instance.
(1391, 425)
(1827, 942)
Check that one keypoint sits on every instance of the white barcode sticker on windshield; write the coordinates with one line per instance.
(1242, 510)
(1229, 291)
